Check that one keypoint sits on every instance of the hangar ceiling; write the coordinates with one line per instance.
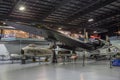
(67, 13)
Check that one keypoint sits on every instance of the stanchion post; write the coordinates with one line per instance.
(39, 59)
(23, 57)
(83, 64)
(54, 54)
(110, 60)
(54, 57)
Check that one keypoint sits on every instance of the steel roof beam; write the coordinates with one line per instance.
(90, 8)
(115, 6)
(102, 17)
(15, 4)
(55, 8)
(108, 23)
(32, 21)
(113, 25)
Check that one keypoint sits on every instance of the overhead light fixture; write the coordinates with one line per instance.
(118, 32)
(90, 20)
(94, 31)
(59, 28)
(80, 32)
(21, 8)
(4, 23)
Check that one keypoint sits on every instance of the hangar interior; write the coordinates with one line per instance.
(59, 39)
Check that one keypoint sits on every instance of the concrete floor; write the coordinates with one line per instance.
(69, 71)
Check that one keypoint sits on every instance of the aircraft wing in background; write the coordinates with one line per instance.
(54, 35)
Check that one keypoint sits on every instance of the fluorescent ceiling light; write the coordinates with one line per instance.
(60, 28)
(21, 8)
(95, 32)
(90, 20)
(80, 32)
(4, 23)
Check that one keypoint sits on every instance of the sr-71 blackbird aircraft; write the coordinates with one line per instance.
(57, 36)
